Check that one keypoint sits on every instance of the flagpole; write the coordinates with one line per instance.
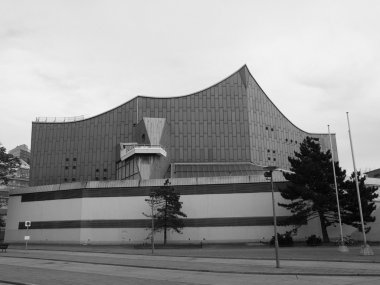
(366, 250)
(342, 246)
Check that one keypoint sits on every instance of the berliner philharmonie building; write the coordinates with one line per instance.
(89, 177)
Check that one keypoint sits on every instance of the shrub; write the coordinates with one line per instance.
(313, 240)
(283, 239)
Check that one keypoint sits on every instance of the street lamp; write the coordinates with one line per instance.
(270, 170)
(151, 201)
(342, 246)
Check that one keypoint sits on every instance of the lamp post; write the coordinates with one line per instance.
(270, 169)
(342, 246)
(151, 202)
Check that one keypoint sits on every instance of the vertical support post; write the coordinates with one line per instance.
(26, 237)
(152, 238)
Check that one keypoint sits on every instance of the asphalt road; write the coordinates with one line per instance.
(224, 265)
(39, 271)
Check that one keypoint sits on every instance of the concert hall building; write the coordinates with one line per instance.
(89, 177)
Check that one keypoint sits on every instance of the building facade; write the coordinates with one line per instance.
(212, 145)
(232, 121)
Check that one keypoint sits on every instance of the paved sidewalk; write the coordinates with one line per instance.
(322, 261)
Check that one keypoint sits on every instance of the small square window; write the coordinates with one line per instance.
(73, 179)
(97, 170)
(268, 150)
(286, 140)
(274, 159)
(66, 167)
(271, 129)
(268, 158)
(74, 159)
(74, 167)
(105, 170)
(96, 178)
(274, 151)
(65, 179)
(296, 142)
(291, 141)
(67, 159)
(266, 128)
(104, 178)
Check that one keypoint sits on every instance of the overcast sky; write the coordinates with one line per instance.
(315, 60)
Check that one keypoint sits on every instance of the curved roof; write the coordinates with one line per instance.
(239, 71)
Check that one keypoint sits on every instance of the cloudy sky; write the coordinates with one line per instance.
(316, 60)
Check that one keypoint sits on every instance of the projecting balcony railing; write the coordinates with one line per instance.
(142, 149)
(59, 119)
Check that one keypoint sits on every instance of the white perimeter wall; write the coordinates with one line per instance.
(115, 208)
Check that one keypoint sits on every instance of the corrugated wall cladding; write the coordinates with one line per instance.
(273, 138)
(232, 121)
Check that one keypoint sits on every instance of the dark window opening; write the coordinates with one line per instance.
(104, 178)
(67, 159)
(73, 179)
(291, 141)
(143, 137)
(296, 142)
(268, 150)
(105, 170)
(74, 167)
(274, 151)
(271, 129)
(286, 140)
(97, 170)
(96, 178)
(266, 128)
(74, 159)
(65, 179)
(66, 167)
(268, 158)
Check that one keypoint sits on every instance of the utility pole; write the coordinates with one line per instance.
(342, 246)
(366, 249)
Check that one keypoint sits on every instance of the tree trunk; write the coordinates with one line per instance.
(325, 235)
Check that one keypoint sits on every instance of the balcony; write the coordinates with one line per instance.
(131, 150)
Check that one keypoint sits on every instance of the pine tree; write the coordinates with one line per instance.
(311, 191)
(168, 210)
(351, 215)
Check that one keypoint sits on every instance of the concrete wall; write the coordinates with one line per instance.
(234, 216)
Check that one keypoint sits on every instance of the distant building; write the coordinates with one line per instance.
(21, 177)
(22, 152)
(373, 179)
(373, 173)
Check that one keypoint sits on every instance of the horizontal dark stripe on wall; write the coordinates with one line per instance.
(146, 223)
(145, 191)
